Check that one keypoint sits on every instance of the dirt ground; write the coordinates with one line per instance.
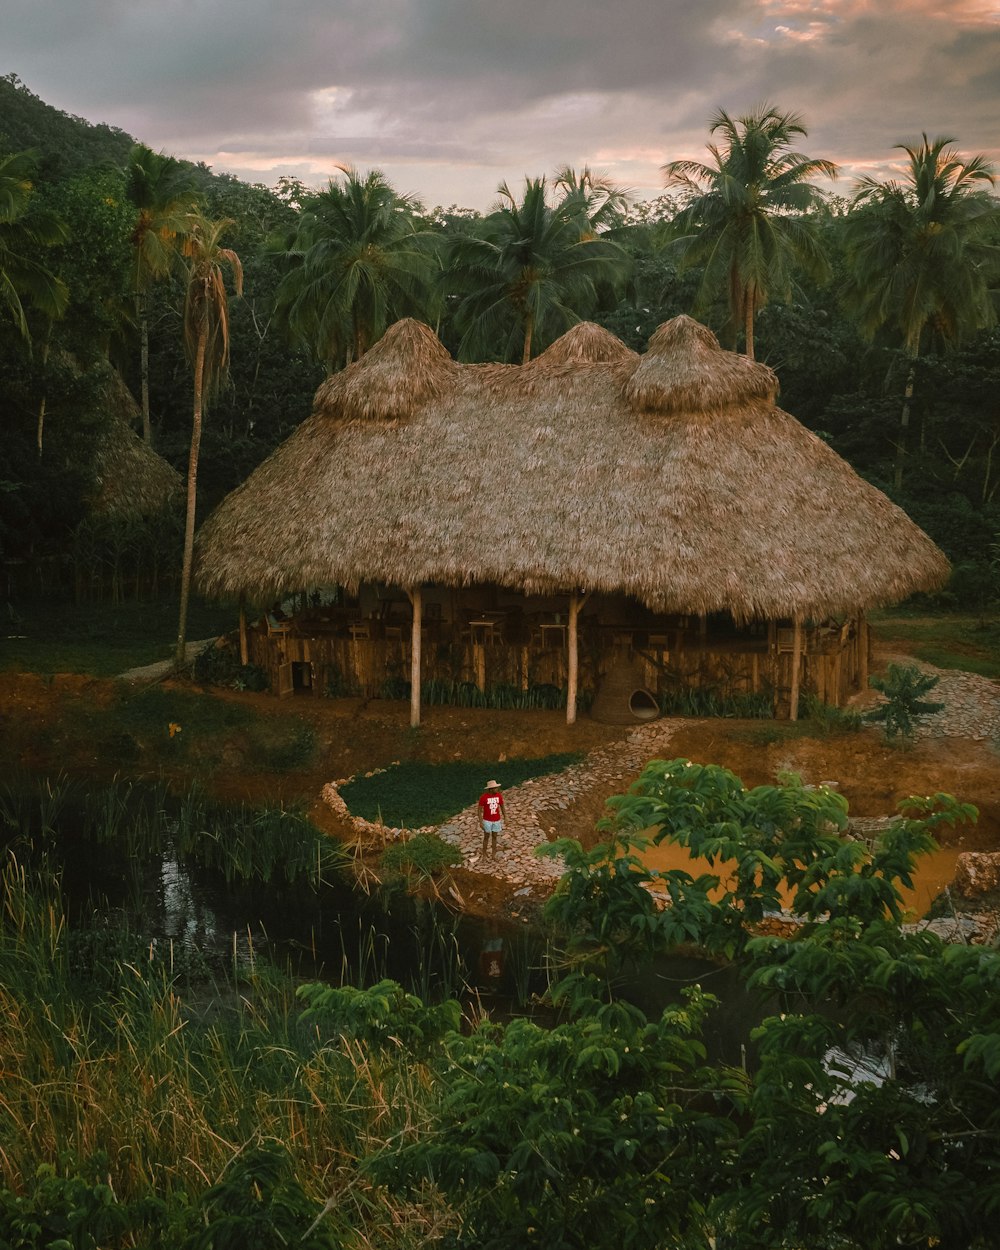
(36, 716)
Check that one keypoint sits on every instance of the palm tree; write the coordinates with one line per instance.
(206, 342)
(25, 232)
(604, 203)
(921, 255)
(531, 273)
(161, 191)
(746, 222)
(356, 262)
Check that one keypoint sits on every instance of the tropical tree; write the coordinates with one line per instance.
(922, 255)
(25, 232)
(206, 342)
(357, 261)
(604, 204)
(746, 221)
(533, 269)
(161, 192)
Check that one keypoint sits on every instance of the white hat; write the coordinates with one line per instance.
(493, 785)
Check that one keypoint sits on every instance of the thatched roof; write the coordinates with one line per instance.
(130, 479)
(671, 477)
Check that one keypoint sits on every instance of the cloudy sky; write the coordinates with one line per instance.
(450, 97)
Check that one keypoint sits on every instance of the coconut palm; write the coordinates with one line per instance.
(25, 232)
(161, 191)
(746, 220)
(357, 261)
(533, 270)
(206, 343)
(604, 203)
(921, 255)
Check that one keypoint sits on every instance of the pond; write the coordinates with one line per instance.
(213, 891)
(933, 872)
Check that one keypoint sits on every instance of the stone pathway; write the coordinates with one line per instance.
(972, 705)
(150, 673)
(611, 767)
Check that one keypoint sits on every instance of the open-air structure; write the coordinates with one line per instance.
(590, 514)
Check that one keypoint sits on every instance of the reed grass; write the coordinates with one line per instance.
(164, 1090)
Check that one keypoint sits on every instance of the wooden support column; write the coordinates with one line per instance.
(862, 645)
(417, 601)
(793, 711)
(576, 603)
(244, 641)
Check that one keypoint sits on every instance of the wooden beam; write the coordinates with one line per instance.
(572, 658)
(417, 601)
(793, 712)
(244, 642)
(862, 645)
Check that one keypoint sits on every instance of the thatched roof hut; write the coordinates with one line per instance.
(130, 479)
(670, 477)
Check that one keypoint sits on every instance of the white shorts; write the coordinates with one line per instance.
(492, 826)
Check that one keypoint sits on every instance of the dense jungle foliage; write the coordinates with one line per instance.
(154, 1099)
(95, 252)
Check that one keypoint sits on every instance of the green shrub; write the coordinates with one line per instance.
(904, 687)
(709, 701)
(220, 666)
(422, 856)
(828, 719)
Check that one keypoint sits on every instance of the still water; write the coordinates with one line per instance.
(933, 873)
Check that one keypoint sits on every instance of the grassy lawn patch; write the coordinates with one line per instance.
(954, 640)
(99, 640)
(413, 794)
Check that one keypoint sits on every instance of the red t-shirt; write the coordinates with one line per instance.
(491, 805)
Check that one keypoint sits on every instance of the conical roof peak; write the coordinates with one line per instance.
(406, 368)
(685, 370)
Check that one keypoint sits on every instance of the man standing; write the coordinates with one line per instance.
(492, 813)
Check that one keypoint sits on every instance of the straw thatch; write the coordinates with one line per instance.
(405, 369)
(670, 477)
(130, 479)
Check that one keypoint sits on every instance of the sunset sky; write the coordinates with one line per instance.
(451, 97)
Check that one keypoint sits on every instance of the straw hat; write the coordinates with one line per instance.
(493, 785)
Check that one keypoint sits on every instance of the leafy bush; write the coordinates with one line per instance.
(220, 666)
(384, 1015)
(904, 687)
(706, 701)
(422, 856)
(829, 719)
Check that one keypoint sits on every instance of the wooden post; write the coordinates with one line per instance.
(244, 642)
(862, 644)
(793, 711)
(479, 661)
(576, 603)
(416, 600)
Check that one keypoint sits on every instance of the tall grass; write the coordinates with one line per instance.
(162, 1091)
(46, 820)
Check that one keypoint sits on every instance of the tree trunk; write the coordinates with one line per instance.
(192, 490)
(40, 433)
(529, 327)
(748, 312)
(904, 425)
(147, 427)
